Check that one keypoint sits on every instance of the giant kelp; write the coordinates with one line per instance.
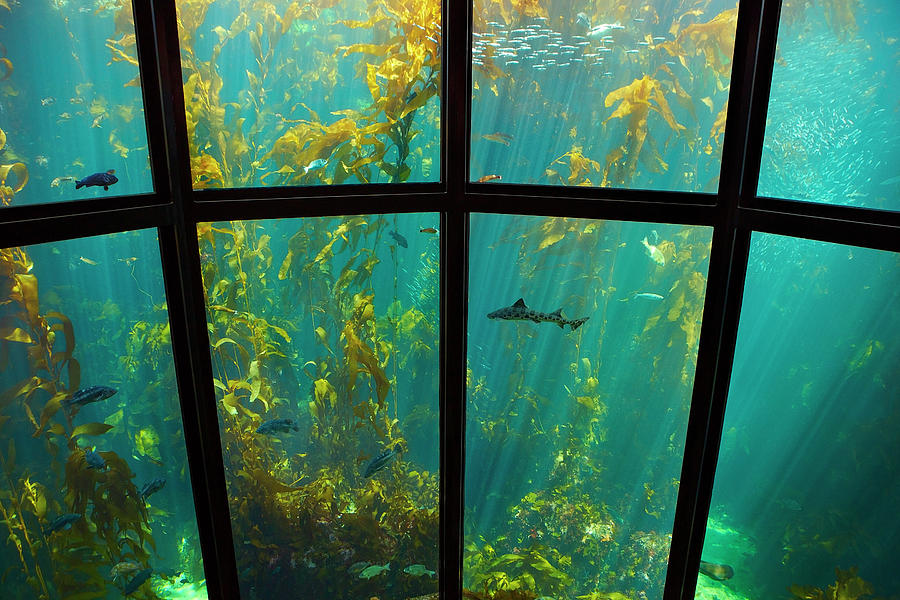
(314, 509)
(269, 137)
(114, 521)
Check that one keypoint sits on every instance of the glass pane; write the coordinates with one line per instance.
(71, 111)
(833, 128)
(96, 495)
(324, 340)
(311, 93)
(613, 94)
(808, 478)
(575, 433)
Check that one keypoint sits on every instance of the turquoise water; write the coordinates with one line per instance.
(574, 438)
(807, 475)
(834, 124)
(93, 314)
(66, 109)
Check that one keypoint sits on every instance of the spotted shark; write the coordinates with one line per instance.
(520, 312)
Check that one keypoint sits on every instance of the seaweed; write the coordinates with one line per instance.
(848, 585)
(115, 522)
(315, 509)
(259, 140)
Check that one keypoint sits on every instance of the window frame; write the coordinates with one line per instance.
(174, 209)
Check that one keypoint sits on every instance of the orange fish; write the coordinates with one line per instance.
(487, 178)
(128, 261)
(500, 138)
(428, 230)
(88, 261)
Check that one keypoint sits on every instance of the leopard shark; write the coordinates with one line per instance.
(520, 312)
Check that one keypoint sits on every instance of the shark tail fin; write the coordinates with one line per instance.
(578, 323)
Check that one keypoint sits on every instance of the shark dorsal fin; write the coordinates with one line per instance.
(520, 303)
(557, 312)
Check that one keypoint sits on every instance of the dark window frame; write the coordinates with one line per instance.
(174, 209)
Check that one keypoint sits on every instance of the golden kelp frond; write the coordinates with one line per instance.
(123, 49)
(512, 10)
(717, 130)
(206, 172)
(714, 39)
(636, 100)
(190, 14)
(848, 585)
(579, 167)
(7, 191)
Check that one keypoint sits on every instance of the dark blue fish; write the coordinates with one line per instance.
(94, 460)
(95, 393)
(61, 522)
(98, 179)
(273, 426)
(401, 241)
(380, 462)
(137, 581)
(151, 487)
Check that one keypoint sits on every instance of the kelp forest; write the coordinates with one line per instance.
(95, 498)
(324, 341)
(304, 93)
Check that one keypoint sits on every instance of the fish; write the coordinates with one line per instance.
(401, 241)
(500, 138)
(487, 178)
(644, 296)
(48, 101)
(41, 160)
(88, 261)
(137, 581)
(63, 521)
(373, 570)
(273, 426)
(123, 568)
(83, 396)
(357, 567)
(655, 254)
(380, 462)
(316, 164)
(583, 21)
(428, 230)
(97, 120)
(94, 460)
(717, 572)
(98, 179)
(418, 571)
(520, 312)
(153, 486)
(601, 30)
(58, 180)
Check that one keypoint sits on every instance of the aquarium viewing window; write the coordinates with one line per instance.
(494, 362)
